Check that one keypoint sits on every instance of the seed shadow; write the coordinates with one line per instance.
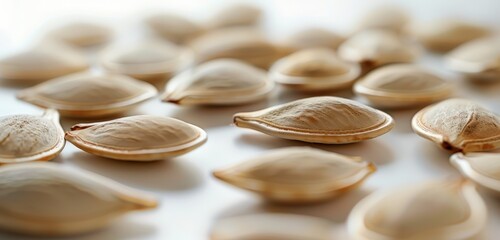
(403, 118)
(434, 155)
(371, 150)
(212, 116)
(336, 210)
(164, 175)
(121, 229)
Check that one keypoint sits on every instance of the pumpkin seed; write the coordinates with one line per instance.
(89, 95)
(330, 120)
(137, 138)
(241, 43)
(175, 28)
(459, 125)
(482, 168)
(478, 59)
(42, 62)
(445, 34)
(298, 174)
(237, 15)
(313, 37)
(385, 17)
(82, 34)
(316, 69)
(219, 82)
(26, 138)
(148, 61)
(376, 47)
(435, 210)
(50, 200)
(402, 85)
(276, 226)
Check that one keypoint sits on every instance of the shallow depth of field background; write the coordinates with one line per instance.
(191, 199)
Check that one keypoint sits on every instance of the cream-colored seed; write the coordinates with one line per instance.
(328, 120)
(276, 226)
(482, 168)
(298, 174)
(445, 34)
(148, 61)
(402, 85)
(313, 37)
(49, 200)
(376, 47)
(459, 124)
(385, 17)
(137, 138)
(240, 43)
(82, 34)
(25, 138)
(42, 62)
(435, 210)
(175, 28)
(89, 95)
(219, 82)
(316, 69)
(237, 15)
(478, 59)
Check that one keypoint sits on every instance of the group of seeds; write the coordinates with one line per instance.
(228, 61)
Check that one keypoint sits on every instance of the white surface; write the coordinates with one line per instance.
(191, 199)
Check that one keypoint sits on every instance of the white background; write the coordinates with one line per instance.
(192, 200)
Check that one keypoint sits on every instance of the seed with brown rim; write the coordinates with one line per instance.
(330, 120)
(47, 199)
(443, 210)
(459, 125)
(25, 138)
(137, 138)
(402, 85)
(87, 95)
(298, 174)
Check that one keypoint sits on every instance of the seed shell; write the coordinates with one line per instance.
(47, 199)
(26, 138)
(298, 174)
(329, 120)
(137, 138)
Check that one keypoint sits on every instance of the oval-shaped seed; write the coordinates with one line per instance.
(275, 226)
(459, 125)
(376, 47)
(89, 95)
(483, 168)
(243, 44)
(48, 199)
(236, 15)
(298, 174)
(445, 34)
(402, 85)
(330, 120)
(478, 59)
(315, 69)
(137, 138)
(149, 61)
(82, 34)
(385, 17)
(173, 27)
(447, 210)
(26, 138)
(42, 62)
(313, 37)
(219, 82)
